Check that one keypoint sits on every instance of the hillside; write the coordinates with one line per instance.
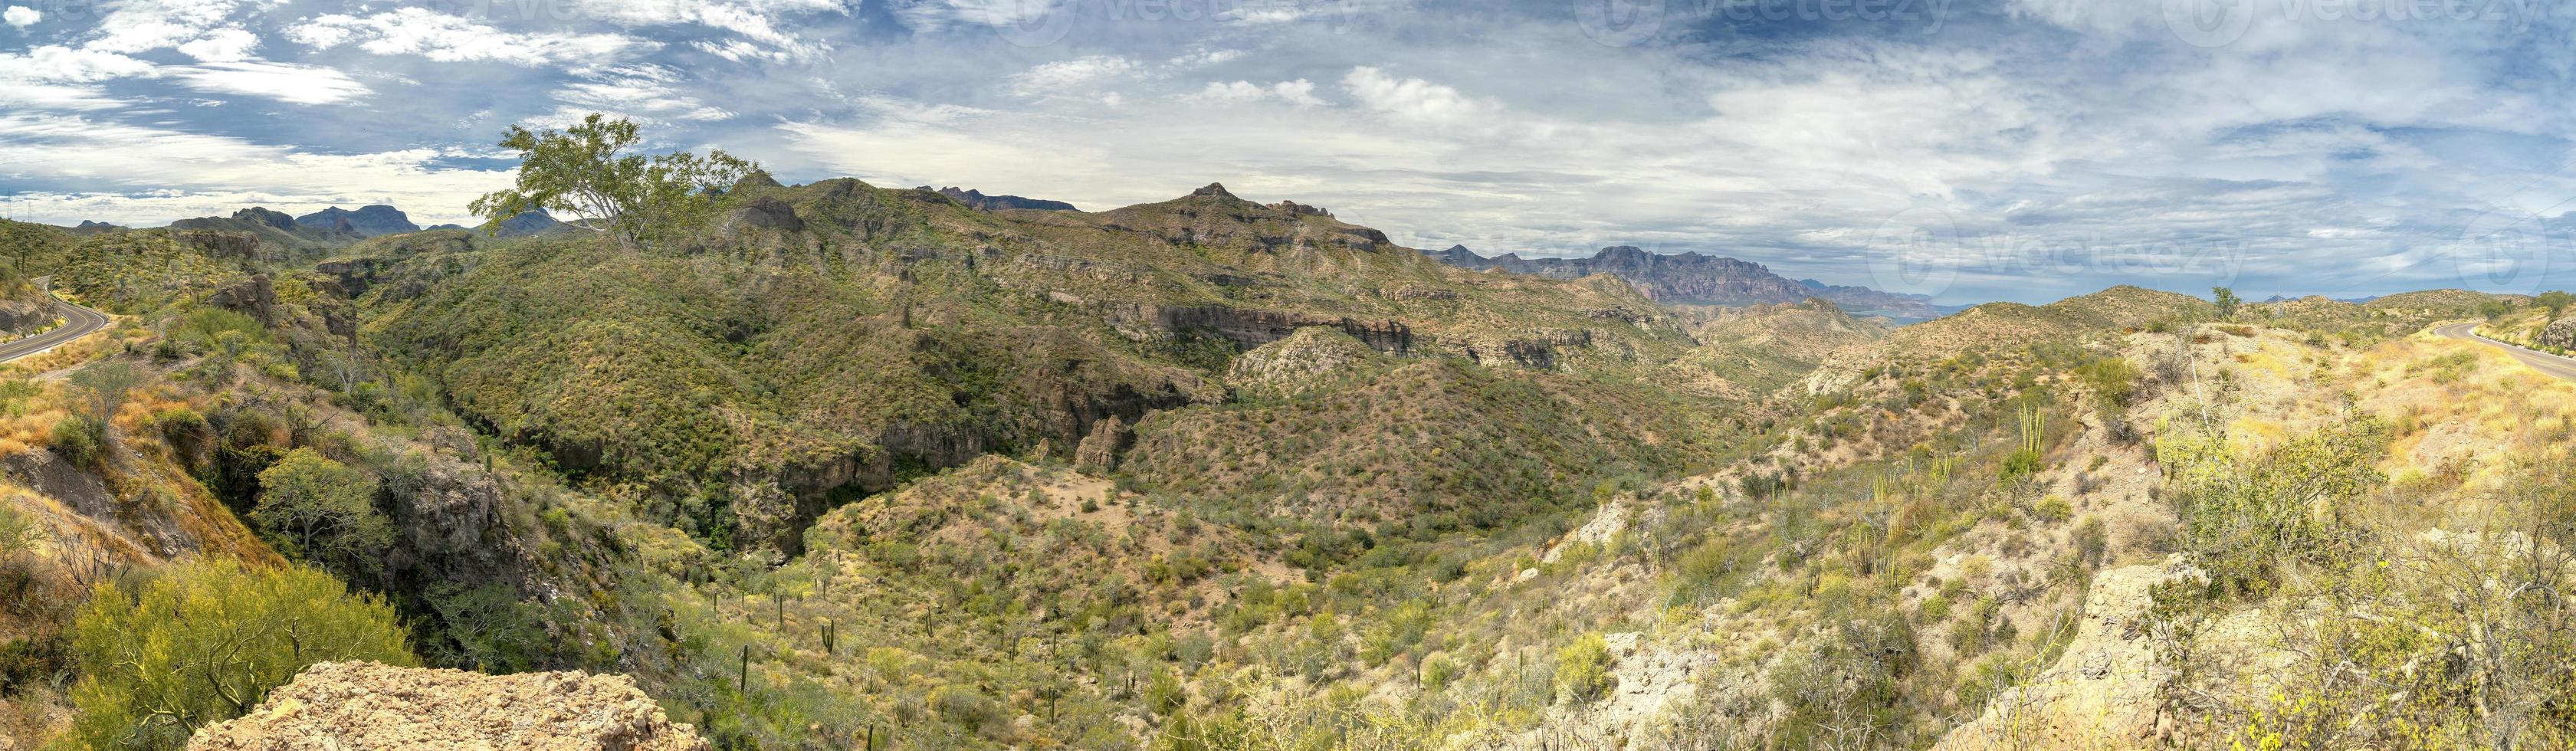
(838, 335)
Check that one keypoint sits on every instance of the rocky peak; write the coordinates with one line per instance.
(262, 215)
(367, 221)
(1458, 255)
(1213, 189)
(1300, 209)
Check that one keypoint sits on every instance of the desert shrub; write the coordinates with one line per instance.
(1583, 668)
(2092, 542)
(2053, 509)
(2241, 518)
(205, 642)
(80, 440)
(1437, 671)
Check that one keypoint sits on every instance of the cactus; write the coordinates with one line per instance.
(827, 637)
(742, 678)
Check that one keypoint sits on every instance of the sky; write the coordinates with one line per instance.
(2019, 150)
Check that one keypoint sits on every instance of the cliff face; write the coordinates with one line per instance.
(349, 706)
(1253, 328)
(1694, 279)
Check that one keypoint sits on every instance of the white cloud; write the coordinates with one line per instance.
(1300, 92)
(144, 25)
(761, 23)
(1412, 99)
(645, 93)
(143, 175)
(58, 64)
(447, 38)
(222, 46)
(21, 16)
(285, 82)
(1071, 77)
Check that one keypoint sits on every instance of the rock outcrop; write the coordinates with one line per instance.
(765, 213)
(2560, 334)
(1293, 365)
(218, 243)
(25, 314)
(2102, 693)
(352, 706)
(254, 297)
(1099, 451)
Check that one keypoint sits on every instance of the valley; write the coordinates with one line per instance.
(835, 465)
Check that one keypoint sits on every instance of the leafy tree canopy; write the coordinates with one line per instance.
(324, 511)
(585, 172)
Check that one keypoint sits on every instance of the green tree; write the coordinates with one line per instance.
(2554, 300)
(206, 641)
(583, 172)
(105, 384)
(2227, 300)
(323, 511)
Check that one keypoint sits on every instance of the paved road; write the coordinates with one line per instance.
(77, 322)
(2561, 367)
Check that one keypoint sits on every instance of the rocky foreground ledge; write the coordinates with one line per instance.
(349, 706)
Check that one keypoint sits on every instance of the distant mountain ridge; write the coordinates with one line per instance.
(976, 199)
(1694, 279)
(367, 221)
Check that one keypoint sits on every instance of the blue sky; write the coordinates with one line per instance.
(2023, 150)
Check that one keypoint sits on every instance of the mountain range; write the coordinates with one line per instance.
(1694, 279)
(855, 467)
